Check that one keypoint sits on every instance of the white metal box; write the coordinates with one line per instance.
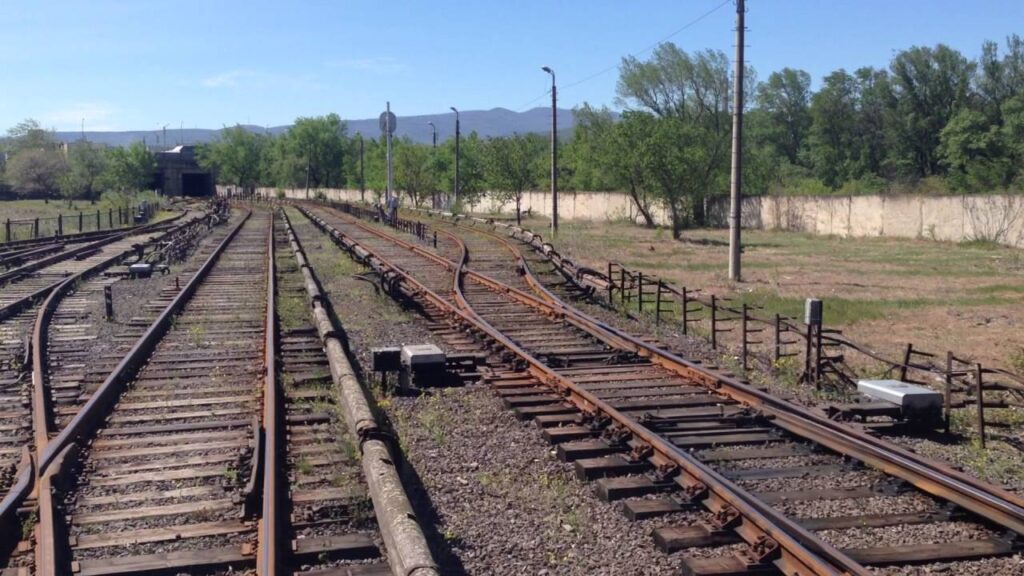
(416, 356)
(914, 400)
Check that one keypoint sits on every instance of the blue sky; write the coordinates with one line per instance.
(141, 64)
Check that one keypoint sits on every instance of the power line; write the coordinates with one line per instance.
(652, 46)
(676, 32)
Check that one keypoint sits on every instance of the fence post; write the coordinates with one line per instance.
(743, 329)
(622, 286)
(808, 353)
(714, 322)
(981, 404)
(97, 220)
(611, 285)
(108, 302)
(7, 230)
(110, 217)
(60, 224)
(906, 361)
(80, 213)
(949, 386)
(657, 305)
(778, 337)
(35, 228)
(817, 356)
(686, 312)
(640, 292)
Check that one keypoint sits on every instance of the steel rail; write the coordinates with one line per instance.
(43, 262)
(55, 454)
(989, 501)
(408, 551)
(268, 554)
(764, 529)
(40, 407)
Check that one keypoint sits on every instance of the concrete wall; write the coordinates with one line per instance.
(601, 206)
(999, 218)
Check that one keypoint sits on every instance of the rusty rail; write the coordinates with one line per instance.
(53, 460)
(268, 555)
(763, 528)
(936, 478)
(40, 406)
(932, 477)
(407, 546)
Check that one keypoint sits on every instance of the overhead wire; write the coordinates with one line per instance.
(671, 35)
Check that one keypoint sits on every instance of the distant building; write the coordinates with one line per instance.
(179, 174)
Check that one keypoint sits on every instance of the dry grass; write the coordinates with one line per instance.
(884, 292)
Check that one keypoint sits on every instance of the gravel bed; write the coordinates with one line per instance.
(909, 503)
(813, 482)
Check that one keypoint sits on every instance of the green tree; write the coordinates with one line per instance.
(129, 169)
(679, 168)
(785, 97)
(237, 157)
(512, 167)
(317, 145)
(86, 163)
(691, 95)
(36, 171)
(930, 86)
(414, 170)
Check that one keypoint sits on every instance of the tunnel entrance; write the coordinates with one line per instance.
(196, 184)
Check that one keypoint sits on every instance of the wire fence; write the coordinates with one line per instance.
(80, 222)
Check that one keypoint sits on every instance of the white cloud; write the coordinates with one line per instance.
(226, 79)
(96, 115)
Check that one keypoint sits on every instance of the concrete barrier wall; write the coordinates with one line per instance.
(997, 218)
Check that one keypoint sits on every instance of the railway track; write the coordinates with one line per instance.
(166, 445)
(217, 444)
(668, 436)
(20, 297)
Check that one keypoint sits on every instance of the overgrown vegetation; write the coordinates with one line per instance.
(39, 166)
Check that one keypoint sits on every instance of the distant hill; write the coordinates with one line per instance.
(486, 123)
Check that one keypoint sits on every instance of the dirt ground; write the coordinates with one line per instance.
(882, 292)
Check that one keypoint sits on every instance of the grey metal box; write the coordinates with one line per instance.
(387, 359)
(141, 270)
(911, 398)
(418, 356)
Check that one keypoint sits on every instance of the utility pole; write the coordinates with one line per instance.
(735, 201)
(554, 152)
(362, 181)
(388, 128)
(455, 185)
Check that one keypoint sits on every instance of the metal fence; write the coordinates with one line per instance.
(73, 223)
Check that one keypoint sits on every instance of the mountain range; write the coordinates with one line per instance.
(486, 123)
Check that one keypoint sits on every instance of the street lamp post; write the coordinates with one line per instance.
(456, 183)
(433, 132)
(554, 152)
(362, 181)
